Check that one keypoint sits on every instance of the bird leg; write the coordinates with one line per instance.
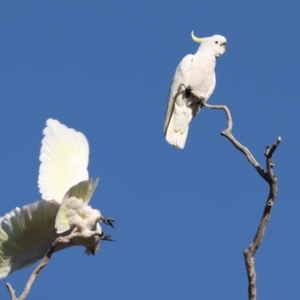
(179, 90)
(105, 237)
(195, 103)
(108, 221)
(188, 93)
(195, 100)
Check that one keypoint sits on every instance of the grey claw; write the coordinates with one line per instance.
(104, 237)
(108, 221)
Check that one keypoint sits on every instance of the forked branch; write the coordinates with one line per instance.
(270, 178)
(43, 263)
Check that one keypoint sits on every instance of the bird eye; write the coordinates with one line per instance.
(216, 42)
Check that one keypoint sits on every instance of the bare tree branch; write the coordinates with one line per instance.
(227, 133)
(43, 263)
(270, 178)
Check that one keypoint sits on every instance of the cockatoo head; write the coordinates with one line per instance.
(215, 43)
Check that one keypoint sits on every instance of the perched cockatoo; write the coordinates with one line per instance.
(193, 83)
(27, 233)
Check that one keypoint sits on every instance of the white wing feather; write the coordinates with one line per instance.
(26, 234)
(179, 78)
(64, 160)
(178, 115)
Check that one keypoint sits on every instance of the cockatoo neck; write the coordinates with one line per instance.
(205, 56)
(206, 53)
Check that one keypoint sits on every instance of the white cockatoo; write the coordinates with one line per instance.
(27, 233)
(193, 83)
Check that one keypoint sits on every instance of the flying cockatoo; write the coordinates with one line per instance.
(193, 83)
(27, 233)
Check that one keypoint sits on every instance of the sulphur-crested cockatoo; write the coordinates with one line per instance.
(27, 233)
(193, 83)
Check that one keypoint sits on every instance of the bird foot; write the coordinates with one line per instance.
(199, 101)
(105, 237)
(108, 221)
(188, 92)
(188, 89)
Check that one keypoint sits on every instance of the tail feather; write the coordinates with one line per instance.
(176, 138)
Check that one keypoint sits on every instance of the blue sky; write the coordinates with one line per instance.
(183, 217)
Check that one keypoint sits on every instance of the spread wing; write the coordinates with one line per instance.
(64, 160)
(26, 234)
